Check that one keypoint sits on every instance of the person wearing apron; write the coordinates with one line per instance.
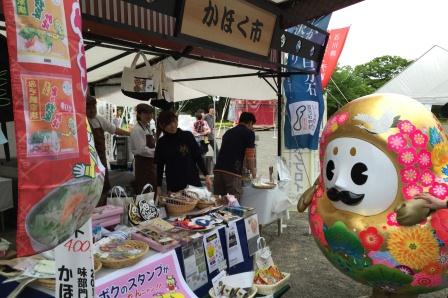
(142, 144)
(99, 125)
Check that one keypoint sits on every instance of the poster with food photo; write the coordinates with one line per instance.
(41, 32)
(51, 128)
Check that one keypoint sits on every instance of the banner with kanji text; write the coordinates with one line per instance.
(333, 50)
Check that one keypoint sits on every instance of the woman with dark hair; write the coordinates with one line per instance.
(142, 145)
(178, 155)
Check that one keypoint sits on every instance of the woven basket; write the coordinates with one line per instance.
(271, 289)
(202, 204)
(265, 185)
(50, 283)
(181, 203)
(121, 263)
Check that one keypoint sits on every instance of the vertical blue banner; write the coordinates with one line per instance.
(304, 99)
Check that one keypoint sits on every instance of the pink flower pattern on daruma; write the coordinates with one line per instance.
(342, 118)
(405, 126)
(407, 156)
(409, 174)
(392, 219)
(418, 138)
(396, 142)
(439, 190)
(411, 190)
(427, 178)
(424, 158)
(423, 279)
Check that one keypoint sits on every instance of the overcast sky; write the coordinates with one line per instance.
(406, 28)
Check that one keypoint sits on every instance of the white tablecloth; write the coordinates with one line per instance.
(6, 201)
(270, 204)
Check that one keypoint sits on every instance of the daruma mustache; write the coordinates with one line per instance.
(346, 197)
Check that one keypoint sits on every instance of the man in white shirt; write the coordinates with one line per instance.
(100, 125)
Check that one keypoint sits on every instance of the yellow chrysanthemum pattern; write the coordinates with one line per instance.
(439, 157)
(414, 247)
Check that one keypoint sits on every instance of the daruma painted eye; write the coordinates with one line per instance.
(363, 182)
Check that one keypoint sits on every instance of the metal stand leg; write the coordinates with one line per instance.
(279, 226)
(2, 221)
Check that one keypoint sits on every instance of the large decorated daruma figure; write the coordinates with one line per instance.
(377, 154)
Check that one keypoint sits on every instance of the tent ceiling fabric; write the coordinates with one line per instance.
(251, 87)
(424, 80)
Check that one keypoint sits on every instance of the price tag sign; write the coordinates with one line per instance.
(75, 276)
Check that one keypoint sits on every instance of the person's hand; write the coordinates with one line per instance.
(432, 202)
(208, 182)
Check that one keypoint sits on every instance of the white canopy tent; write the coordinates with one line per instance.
(425, 79)
(242, 87)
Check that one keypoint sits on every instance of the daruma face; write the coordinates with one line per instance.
(376, 153)
(354, 170)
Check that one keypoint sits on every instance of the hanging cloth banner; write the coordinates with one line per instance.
(304, 99)
(60, 180)
(333, 50)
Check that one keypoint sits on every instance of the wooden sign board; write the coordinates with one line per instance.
(232, 23)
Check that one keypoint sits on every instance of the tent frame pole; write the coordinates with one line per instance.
(279, 106)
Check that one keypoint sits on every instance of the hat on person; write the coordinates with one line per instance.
(90, 100)
(143, 107)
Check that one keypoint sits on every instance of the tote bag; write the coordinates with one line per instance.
(138, 83)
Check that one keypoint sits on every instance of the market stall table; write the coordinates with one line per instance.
(108, 276)
(270, 204)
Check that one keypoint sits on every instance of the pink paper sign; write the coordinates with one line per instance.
(157, 276)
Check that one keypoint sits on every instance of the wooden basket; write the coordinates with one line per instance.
(271, 289)
(50, 283)
(202, 204)
(121, 263)
(264, 185)
(181, 203)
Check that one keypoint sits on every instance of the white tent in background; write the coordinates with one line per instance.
(425, 80)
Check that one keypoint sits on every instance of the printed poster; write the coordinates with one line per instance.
(75, 273)
(252, 233)
(213, 251)
(41, 32)
(60, 177)
(49, 116)
(304, 117)
(157, 276)
(194, 264)
(233, 245)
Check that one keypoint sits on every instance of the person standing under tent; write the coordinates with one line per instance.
(178, 156)
(210, 119)
(142, 145)
(238, 144)
(201, 130)
(100, 125)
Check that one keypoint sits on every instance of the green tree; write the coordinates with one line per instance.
(348, 83)
(344, 87)
(380, 70)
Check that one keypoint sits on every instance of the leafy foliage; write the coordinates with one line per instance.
(349, 83)
(380, 70)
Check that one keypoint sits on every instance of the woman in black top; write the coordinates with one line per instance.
(178, 155)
